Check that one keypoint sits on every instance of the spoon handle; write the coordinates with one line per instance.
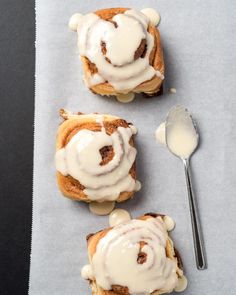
(196, 228)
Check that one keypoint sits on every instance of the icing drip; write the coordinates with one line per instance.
(133, 129)
(118, 216)
(153, 15)
(173, 90)
(160, 133)
(169, 222)
(103, 208)
(182, 284)
(81, 158)
(138, 186)
(74, 21)
(116, 61)
(87, 272)
(126, 97)
(117, 259)
(93, 80)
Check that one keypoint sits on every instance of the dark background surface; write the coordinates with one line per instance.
(17, 35)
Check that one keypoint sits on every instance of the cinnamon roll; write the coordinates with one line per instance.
(121, 52)
(134, 257)
(95, 158)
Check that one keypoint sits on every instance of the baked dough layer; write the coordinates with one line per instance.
(150, 87)
(92, 242)
(72, 124)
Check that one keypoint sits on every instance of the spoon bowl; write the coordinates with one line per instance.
(182, 137)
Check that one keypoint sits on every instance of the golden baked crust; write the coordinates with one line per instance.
(72, 124)
(149, 87)
(92, 242)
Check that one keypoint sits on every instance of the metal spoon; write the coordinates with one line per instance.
(180, 116)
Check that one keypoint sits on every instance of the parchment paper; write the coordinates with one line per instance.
(200, 55)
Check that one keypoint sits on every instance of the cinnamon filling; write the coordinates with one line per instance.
(141, 50)
(120, 290)
(113, 125)
(142, 257)
(103, 46)
(107, 154)
(73, 184)
(113, 22)
(104, 51)
(154, 215)
(92, 67)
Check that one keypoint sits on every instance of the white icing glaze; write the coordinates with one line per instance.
(169, 222)
(87, 272)
(93, 80)
(138, 186)
(100, 118)
(173, 90)
(103, 208)
(160, 133)
(182, 139)
(118, 216)
(153, 15)
(117, 36)
(139, 16)
(60, 161)
(125, 97)
(133, 129)
(81, 159)
(74, 21)
(115, 260)
(159, 74)
(182, 284)
(123, 73)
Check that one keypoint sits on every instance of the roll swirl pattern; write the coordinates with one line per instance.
(133, 255)
(120, 50)
(102, 177)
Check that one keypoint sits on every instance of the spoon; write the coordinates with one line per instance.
(182, 140)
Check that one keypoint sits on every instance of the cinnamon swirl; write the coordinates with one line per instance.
(134, 257)
(121, 52)
(95, 158)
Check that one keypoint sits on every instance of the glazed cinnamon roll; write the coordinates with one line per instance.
(134, 257)
(95, 158)
(121, 52)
